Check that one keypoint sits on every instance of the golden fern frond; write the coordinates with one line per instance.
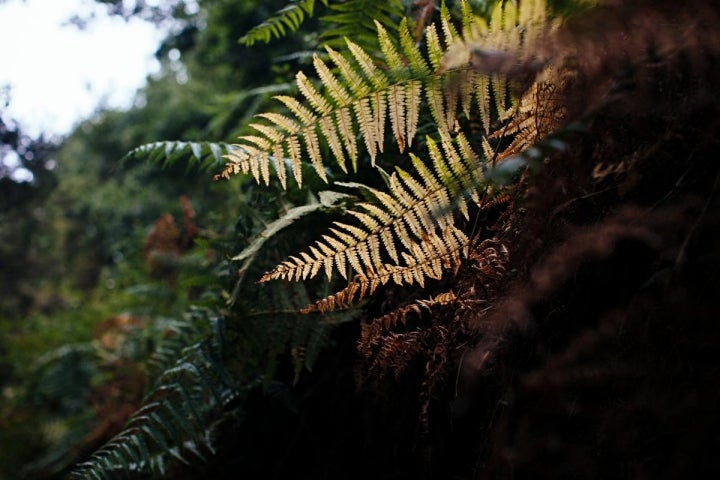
(412, 210)
(406, 236)
(479, 62)
(450, 33)
(359, 95)
(428, 258)
(356, 100)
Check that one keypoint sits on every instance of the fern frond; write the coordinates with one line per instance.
(401, 225)
(493, 50)
(415, 60)
(400, 315)
(171, 423)
(174, 335)
(287, 19)
(450, 33)
(538, 114)
(338, 115)
(359, 96)
(206, 156)
(428, 258)
(356, 19)
(408, 233)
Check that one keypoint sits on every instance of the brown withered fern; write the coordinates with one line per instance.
(427, 334)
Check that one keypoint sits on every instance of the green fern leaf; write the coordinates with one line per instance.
(174, 417)
(205, 156)
(287, 19)
(356, 19)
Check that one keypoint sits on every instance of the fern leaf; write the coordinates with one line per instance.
(436, 100)
(435, 49)
(358, 96)
(331, 83)
(172, 419)
(409, 215)
(329, 130)
(356, 83)
(415, 60)
(203, 155)
(413, 95)
(284, 122)
(355, 19)
(482, 94)
(339, 113)
(293, 146)
(367, 65)
(305, 116)
(313, 147)
(428, 259)
(492, 50)
(450, 33)
(368, 128)
(319, 103)
(287, 19)
(344, 122)
(467, 18)
(327, 200)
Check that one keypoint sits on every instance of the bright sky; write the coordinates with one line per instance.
(60, 74)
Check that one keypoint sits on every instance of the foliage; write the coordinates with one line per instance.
(354, 19)
(206, 156)
(289, 17)
(417, 213)
(357, 19)
(414, 221)
(27, 179)
(532, 216)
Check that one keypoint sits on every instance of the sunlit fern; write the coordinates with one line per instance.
(404, 236)
(414, 221)
(364, 94)
(480, 61)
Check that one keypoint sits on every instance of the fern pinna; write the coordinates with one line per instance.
(407, 234)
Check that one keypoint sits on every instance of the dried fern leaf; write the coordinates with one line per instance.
(413, 223)
(427, 259)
